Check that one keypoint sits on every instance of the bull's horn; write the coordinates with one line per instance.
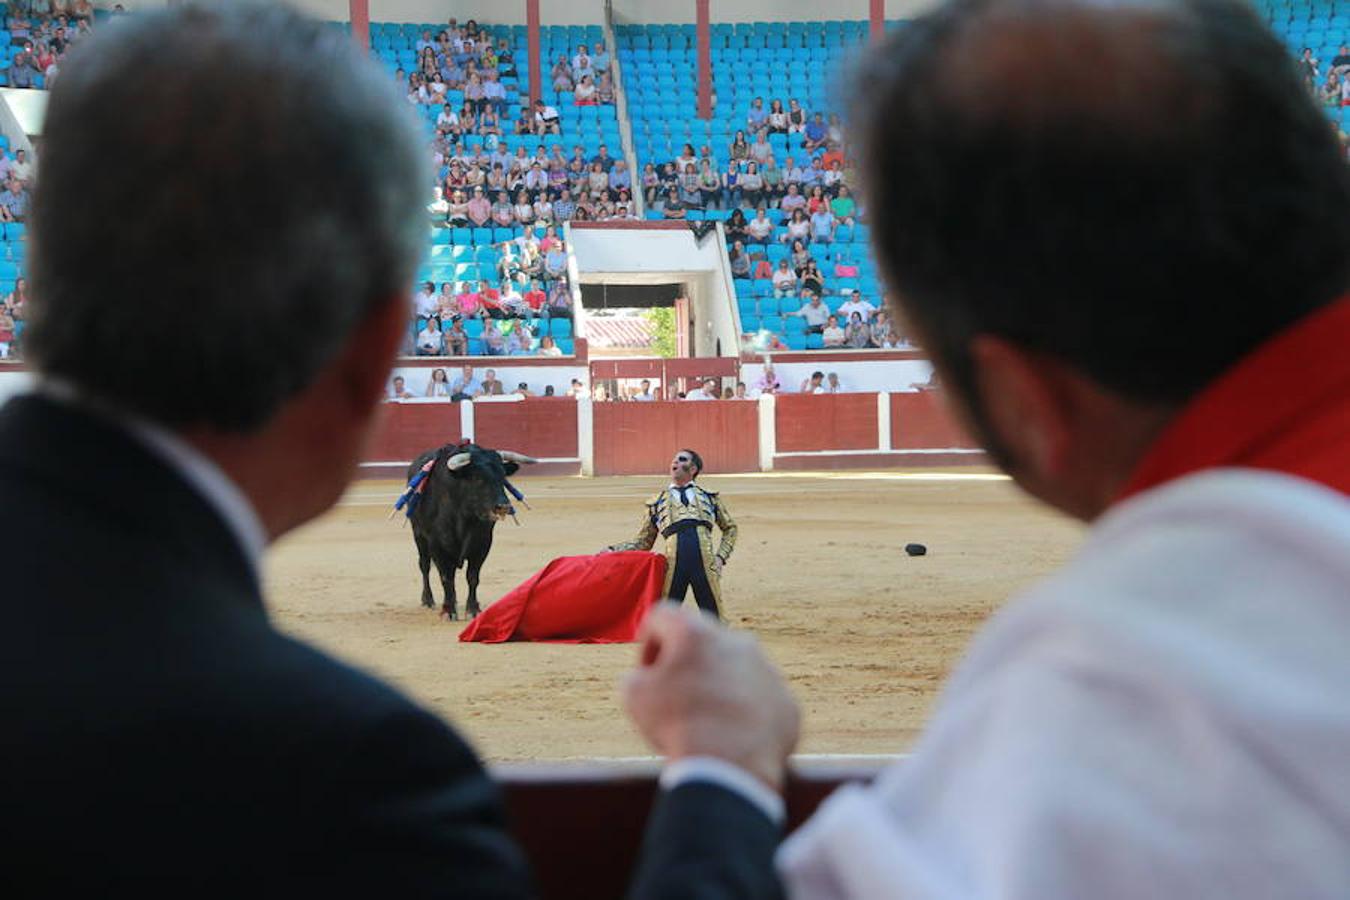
(458, 461)
(513, 456)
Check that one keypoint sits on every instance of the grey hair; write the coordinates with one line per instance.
(226, 195)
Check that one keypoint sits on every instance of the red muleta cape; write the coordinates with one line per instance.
(599, 599)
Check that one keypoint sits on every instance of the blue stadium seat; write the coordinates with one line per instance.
(749, 323)
(814, 341)
(565, 345)
(561, 328)
(795, 341)
(482, 235)
(461, 236)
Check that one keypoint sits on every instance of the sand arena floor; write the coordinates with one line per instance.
(865, 633)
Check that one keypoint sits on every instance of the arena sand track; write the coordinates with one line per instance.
(865, 633)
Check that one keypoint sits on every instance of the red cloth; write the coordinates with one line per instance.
(1285, 407)
(597, 599)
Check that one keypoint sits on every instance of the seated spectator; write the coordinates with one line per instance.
(585, 92)
(479, 210)
(774, 186)
(792, 200)
(674, 208)
(815, 134)
(1341, 61)
(503, 211)
(446, 307)
(536, 299)
(651, 184)
(778, 120)
(562, 76)
(456, 339)
(738, 151)
(22, 71)
(739, 260)
(536, 178)
(555, 261)
(429, 339)
(6, 333)
(489, 125)
(494, 342)
(524, 209)
(815, 384)
(882, 333)
(513, 304)
(670, 180)
(491, 300)
(620, 179)
(709, 185)
(1331, 89)
(424, 301)
(811, 279)
(752, 186)
(560, 300)
(582, 67)
(548, 347)
(832, 179)
(604, 91)
(465, 386)
(521, 340)
(798, 228)
(494, 94)
(469, 302)
(564, 206)
(543, 207)
(736, 226)
(858, 335)
(760, 267)
(832, 335)
(546, 120)
(844, 207)
(834, 135)
(757, 116)
(761, 149)
(760, 227)
(799, 257)
(690, 195)
(457, 211)
(473, 93)
(813, 312)
(439, 208)
(398, 389)
(784, 280)
(822, 227)
(597, 181)
(856, 304)
(523, 390)
(524, 123)
(439, 384)
(796, 117)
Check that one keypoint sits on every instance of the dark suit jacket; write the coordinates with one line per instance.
(157, 731)
(704, 842)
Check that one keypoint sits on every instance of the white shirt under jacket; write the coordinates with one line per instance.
(1167, 717)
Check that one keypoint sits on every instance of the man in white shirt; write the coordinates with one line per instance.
(813, 311)
(1167, 715)
(706, 391)
(856, 304)
(465, 386)
(425, 302)
(22, 169)
(545, 118)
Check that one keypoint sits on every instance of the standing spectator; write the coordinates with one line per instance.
(429, 339)
(739, 260)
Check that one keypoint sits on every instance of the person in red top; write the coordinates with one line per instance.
(536, 297)
(1138, 347)
(490, 298)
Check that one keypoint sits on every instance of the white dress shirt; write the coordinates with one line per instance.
(1167, 717)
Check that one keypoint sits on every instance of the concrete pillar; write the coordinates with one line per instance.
(876, 14)
(768, 436)
(535, 62)
(704, 33)
(359, 11)
(884, 421)
(466, 420)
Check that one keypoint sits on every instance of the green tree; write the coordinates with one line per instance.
(663, 330)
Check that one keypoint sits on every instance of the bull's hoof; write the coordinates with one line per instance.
(449, 614)
(429, 603)
(474, 612)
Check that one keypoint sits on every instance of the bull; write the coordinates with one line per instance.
(456, 496)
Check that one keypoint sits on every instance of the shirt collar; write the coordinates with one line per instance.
(194, 467)
(1285, 407)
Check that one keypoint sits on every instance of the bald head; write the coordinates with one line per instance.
(1143, 190)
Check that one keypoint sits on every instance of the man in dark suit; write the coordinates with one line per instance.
(227, 224)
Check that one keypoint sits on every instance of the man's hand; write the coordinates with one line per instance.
(701, 690)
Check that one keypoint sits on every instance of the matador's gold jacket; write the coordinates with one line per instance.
(665, 510)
